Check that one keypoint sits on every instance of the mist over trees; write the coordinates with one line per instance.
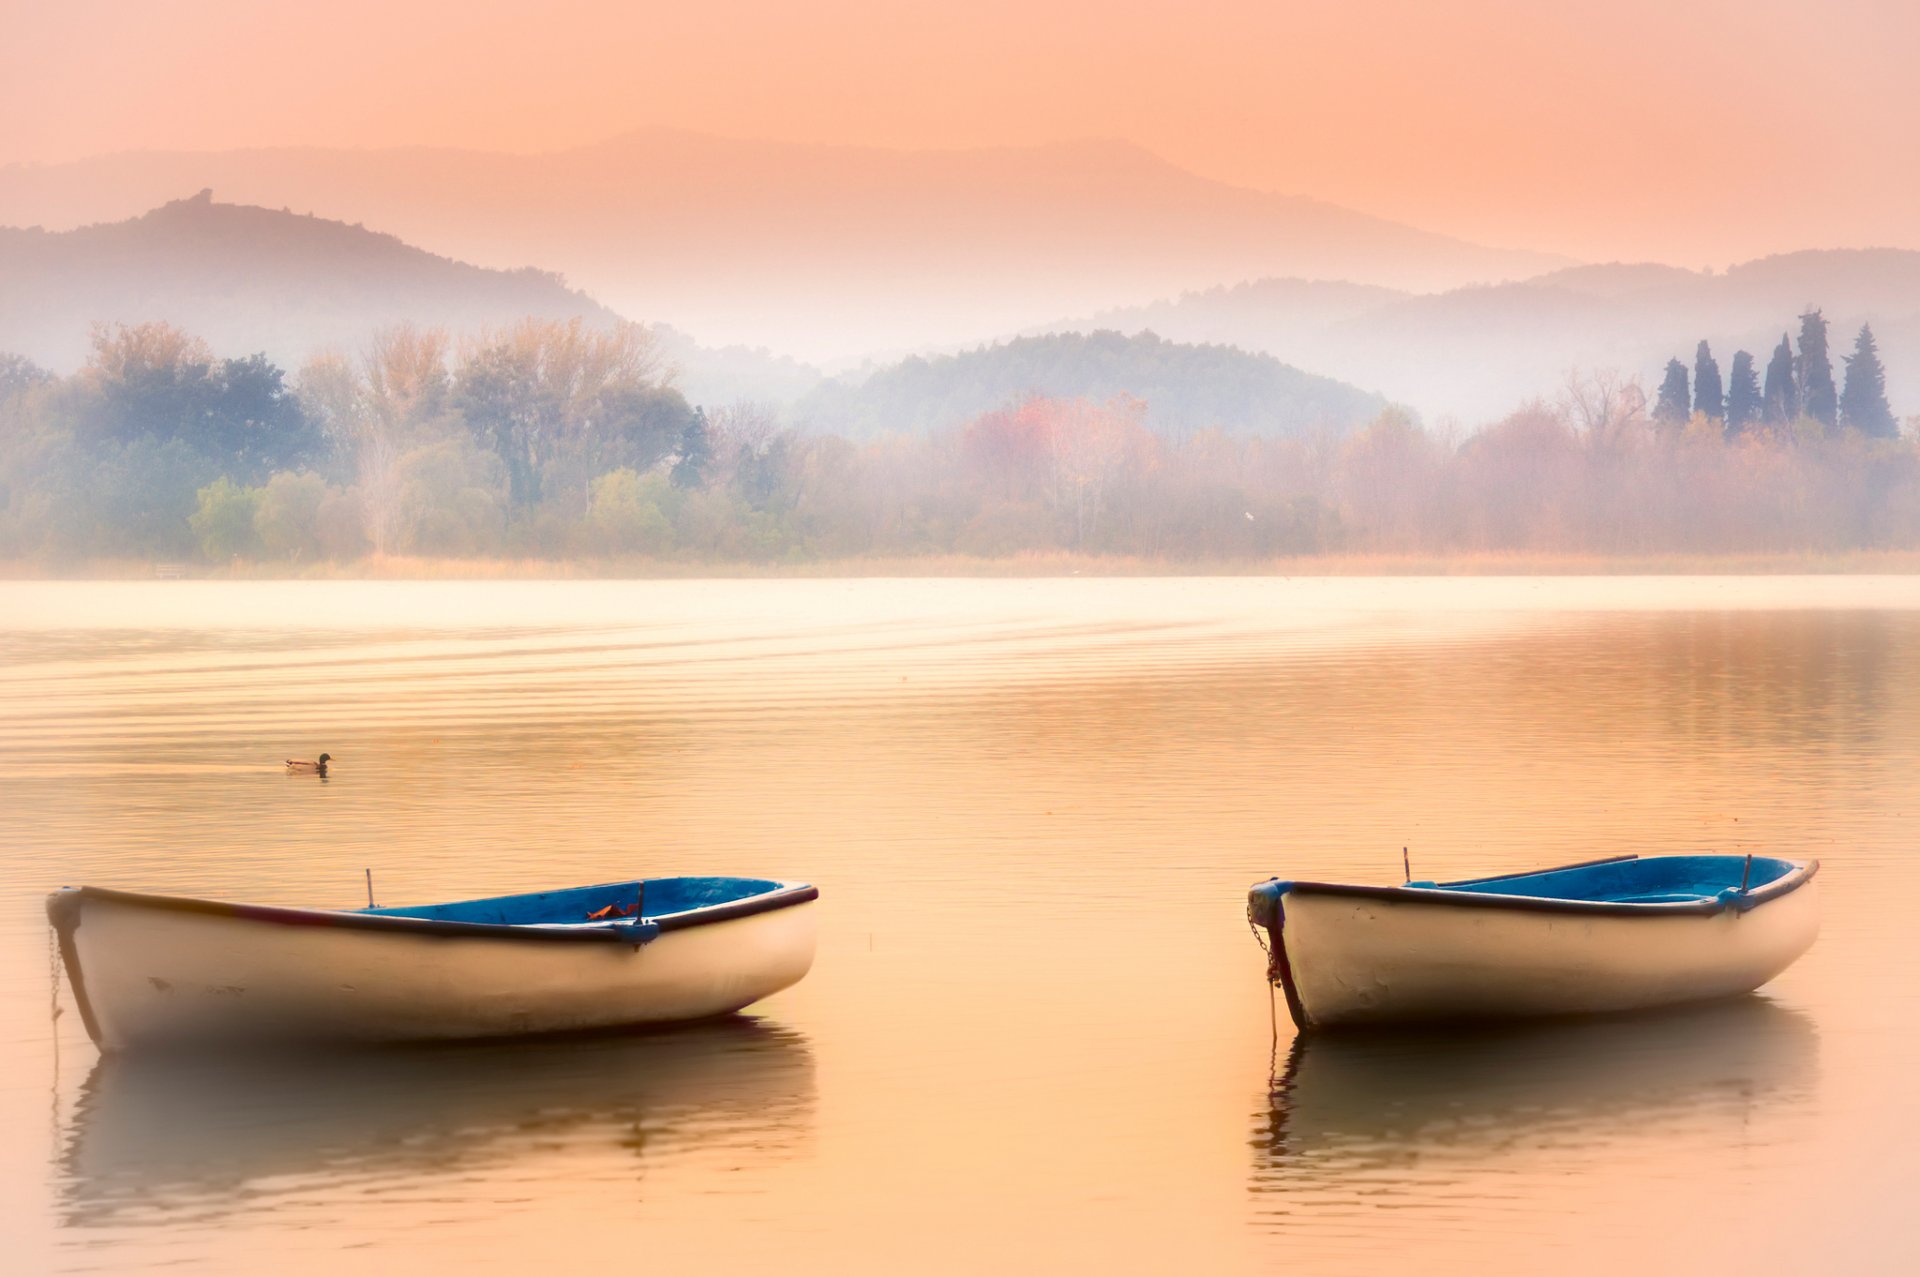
(1671, 407)
(551, 439)
(1744, 403)
(1184, 386)
(1813, 371)
(1863, 398)
(1799, 390)
(1708, 400)
(1783, 390)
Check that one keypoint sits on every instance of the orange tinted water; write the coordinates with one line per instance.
(1036, 1035)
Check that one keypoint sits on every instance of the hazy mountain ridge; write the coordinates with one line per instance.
(812, 250)
(1474, 353)
(1186, 387)
(251, 279)
(290, 285)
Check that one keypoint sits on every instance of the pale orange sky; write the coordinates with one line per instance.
(1698, 133)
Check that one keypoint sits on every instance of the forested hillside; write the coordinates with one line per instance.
(1185, 388)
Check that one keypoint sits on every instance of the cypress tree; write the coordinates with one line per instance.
(1743, 394)
(1783, 394)
(1815, 371)
(1863, 401)
(1671, 408)
(1707, 400)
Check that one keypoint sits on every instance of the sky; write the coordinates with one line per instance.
(1697, 132)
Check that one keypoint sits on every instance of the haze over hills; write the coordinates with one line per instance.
(253, 279)
(1475, 353)
(250, 279)
(1185, 388)
(814, 251)
(290, 285)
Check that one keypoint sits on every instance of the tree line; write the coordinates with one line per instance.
(554, 440)
(1799, 387)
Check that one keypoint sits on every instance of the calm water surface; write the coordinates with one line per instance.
(1037, 1034)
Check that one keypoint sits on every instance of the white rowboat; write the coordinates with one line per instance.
(1610, 935)
(157, 970)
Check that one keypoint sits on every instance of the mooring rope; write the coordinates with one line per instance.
(1273, 1015)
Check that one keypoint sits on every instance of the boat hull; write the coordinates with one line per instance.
(1385, 957)
(150, 971)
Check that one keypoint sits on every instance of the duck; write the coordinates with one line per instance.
(308, 767)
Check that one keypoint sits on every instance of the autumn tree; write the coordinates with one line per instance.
(625, 513)
(1744, 404)
(1091, 447)
(224, 519)
(1062, 457)
(286, 515)
(1707, 398)
(1604, 406)
(394, 399)
(19, 374)
(155, 382)
(1782, 399)
(147, 379)
(1388, 479)
(1863, 399)
(1008, 451)
(1670, 408)
(548, 391)
(408, 385)
(1814, 371)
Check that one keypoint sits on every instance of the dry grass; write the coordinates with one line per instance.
(1031, 564)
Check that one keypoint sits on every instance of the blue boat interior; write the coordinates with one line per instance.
(608, 902)
(1649, 880)
(1713, 882)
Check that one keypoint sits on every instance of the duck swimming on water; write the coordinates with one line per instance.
(308, 767)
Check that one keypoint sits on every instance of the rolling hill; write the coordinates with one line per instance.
(250, 279)
(1475, 353)
(255, 279)
(1186, 387)
(815, 251)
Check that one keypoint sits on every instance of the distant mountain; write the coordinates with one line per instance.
(1279, 316)
(254, 279)
(815, 251)
(250, 279)
(712, 376)
(1474, 354)
(1186, 387)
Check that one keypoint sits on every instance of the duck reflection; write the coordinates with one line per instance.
(158, 1138)
(1368, 1102)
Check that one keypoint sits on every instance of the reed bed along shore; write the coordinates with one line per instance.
(1035, 564)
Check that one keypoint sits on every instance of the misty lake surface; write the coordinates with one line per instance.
(1037, 1033)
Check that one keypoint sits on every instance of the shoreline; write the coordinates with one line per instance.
(1037, 565)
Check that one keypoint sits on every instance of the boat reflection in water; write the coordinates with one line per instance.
(163, 1139)
(1377, 1102)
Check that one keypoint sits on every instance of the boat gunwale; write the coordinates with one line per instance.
(1440, 894)
(785, 896)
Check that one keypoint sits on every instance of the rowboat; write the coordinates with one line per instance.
(1621, 934)
(154, 970)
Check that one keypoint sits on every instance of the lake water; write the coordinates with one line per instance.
(1037, 1033)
